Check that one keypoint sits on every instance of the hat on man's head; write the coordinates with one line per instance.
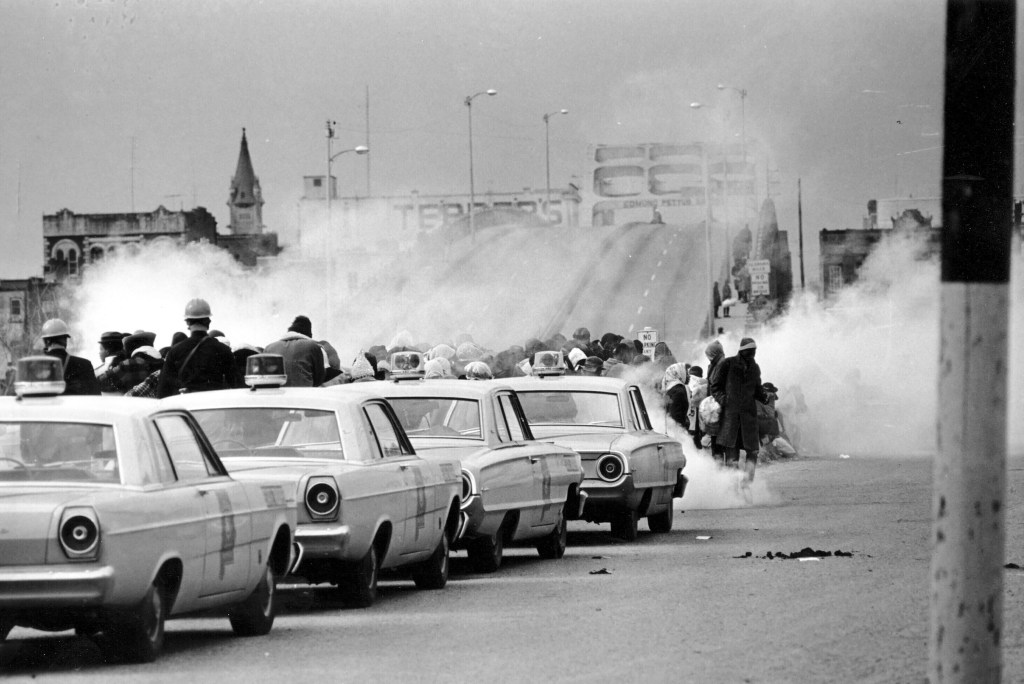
(301, 325)
(769, 387)
(178, 337)
(111, 337)
(748, 343)
(138, 339)
(581, 334)
(215, 333)
(697, 371)
(593, 364)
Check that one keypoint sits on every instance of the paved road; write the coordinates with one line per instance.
(670, 608)
(645, 275)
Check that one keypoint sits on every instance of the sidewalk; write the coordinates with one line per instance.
(735, 324)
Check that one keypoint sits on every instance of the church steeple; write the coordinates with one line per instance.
(245, 199)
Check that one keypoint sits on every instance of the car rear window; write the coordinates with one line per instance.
(50, 451)
(272, 432)
(562, 407)
(438, 416)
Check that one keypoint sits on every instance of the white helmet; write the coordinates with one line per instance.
(55, 327)
(197, 308)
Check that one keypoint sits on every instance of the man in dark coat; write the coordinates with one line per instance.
(737, 387)
(200, 363)
(142, 362)
(79, 376)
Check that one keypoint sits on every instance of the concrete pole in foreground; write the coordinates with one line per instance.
(969, 488)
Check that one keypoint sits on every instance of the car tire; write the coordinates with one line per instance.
(141, 635)
(433, 573)
(358, 583)
(255, 615)
(624, 524)
(661, 522)
(486, 553)
(552, 546)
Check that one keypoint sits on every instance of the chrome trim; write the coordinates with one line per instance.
(296, 557)
(583, 502)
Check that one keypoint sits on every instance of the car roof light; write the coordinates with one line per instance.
(548, 363)
(265, 370)
(39, 376)
(406, 365)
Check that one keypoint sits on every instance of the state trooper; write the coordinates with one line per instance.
(79, 377)
(199, 363)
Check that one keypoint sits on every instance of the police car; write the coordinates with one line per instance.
(515, 489)
(118, 514)
(630, 471)
(368, 501)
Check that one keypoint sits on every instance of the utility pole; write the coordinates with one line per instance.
(969, 481)
(800, 224)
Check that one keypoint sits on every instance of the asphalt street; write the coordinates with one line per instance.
(689, 606)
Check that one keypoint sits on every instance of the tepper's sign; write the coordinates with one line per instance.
(649, 338)
(760, 270)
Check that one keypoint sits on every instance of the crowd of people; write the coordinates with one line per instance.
(725, 408)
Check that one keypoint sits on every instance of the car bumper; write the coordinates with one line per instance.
(471, 518)
(51, 586)
(604, 496)
(322, 541)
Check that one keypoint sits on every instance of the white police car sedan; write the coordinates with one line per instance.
(116, 514)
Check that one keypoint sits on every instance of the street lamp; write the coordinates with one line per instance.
(359, 149)
(472, 188)
(705, 167)
(547, 155)
(743, 118)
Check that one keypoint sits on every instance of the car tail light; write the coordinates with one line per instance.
(610, 467)
(322, 498)
(80, 534)
(468, 487)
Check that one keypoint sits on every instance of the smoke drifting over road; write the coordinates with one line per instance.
(866, 365)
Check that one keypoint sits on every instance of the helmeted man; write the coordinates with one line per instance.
(304, 358)
(79, 377)
(199, 363)
(737, 387)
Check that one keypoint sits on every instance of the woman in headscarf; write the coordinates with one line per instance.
(438, 368)
(674, 386)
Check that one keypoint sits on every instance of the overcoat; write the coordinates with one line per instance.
(737, 387)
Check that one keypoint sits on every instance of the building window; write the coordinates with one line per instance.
(15, 310)
(835, 278)
(318, 183)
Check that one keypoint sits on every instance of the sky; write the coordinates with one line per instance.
(111, 106)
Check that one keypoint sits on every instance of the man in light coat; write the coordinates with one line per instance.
(303, 357)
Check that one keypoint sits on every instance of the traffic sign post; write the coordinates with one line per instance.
(760, 276)
(649, 338)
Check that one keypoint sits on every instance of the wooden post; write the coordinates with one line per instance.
(969, 488)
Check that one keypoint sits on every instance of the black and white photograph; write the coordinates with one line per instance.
(511, 341)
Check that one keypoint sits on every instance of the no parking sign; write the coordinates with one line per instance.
(649, 338)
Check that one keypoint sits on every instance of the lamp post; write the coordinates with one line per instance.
(726, 209)
(472, 188)
(359, 149)
(709, 288)
(743, 118)
(547, 156)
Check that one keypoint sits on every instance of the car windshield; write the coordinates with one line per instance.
(439, 416)
(562, 407)
(272, 432)
(51, 451)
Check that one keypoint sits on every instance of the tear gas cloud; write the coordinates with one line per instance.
(865, 364)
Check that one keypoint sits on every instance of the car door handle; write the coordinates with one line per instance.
(535, 459)
(404, 467)
(203, 492)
